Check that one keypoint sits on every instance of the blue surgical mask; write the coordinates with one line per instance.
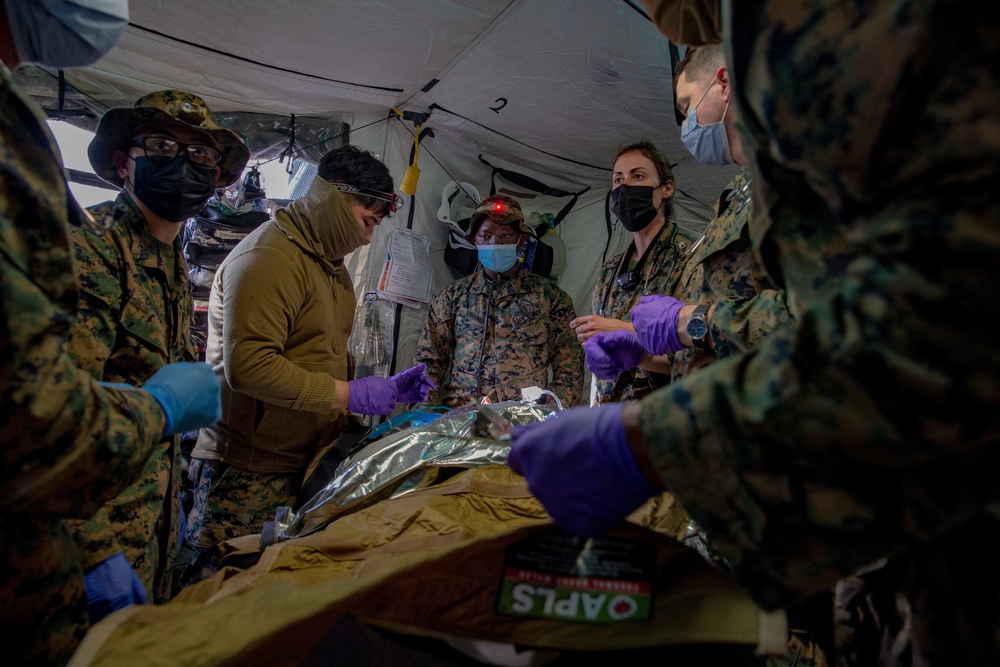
(65, 33)
(497, 258)
(709, 144)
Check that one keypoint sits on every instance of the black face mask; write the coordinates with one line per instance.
(633, 206)
(173, 190)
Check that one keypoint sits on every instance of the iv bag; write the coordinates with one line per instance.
(372, 337)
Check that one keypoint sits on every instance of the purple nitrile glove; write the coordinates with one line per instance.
(655, 322)
(413, 385)
(372, 396)
(611, 353)
(111, 585)
(580, 467)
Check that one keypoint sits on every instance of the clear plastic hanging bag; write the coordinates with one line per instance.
(372, 337)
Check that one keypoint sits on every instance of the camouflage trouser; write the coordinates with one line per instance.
(228, 503)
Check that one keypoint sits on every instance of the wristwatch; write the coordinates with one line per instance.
(697, 327)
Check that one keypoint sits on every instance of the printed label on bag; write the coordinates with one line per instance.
(585, 581)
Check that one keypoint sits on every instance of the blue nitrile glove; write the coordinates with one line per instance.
(655, 322)
(413, 385)
(189, 394)
(112, 584)
(372, 395)
(611, 353)
(579, 466)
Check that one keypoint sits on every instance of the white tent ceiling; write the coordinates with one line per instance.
(546, 87)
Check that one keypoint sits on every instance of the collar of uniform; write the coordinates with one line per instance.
(143, 245)
(512, 285)
(738, 191)
(662, 243)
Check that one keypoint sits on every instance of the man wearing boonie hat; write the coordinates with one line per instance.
(169, 156)
(500, 329)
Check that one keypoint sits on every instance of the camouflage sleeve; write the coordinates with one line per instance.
(599, 288)
(565, 352)
(739, 324)
(869, 425)
(69, 444)
(437, 343)
(92, 334)
(688, 22)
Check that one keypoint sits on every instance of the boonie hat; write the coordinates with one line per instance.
(164, 106)
(502, 210)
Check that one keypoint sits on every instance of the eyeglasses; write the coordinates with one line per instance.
(162, 149)
(395, 201)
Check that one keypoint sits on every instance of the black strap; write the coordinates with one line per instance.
(607, 222)
(428, 132)
(675, 58)
(524, 181)
(623, 264)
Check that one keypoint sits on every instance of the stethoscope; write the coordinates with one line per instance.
(627, 280)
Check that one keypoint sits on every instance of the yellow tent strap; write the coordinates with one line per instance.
(412, 174)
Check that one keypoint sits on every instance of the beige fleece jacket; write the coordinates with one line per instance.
(280, 314)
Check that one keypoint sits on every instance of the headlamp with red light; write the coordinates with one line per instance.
(501, 209)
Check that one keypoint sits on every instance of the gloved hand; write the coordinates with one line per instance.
(579, 466)
(413, 385)
(372, 395)
(611, 353)
(655, 322)
(112, 584)
(189, 394)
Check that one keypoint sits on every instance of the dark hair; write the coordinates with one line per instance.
(659, 160)
(355, 166)
(700, 62)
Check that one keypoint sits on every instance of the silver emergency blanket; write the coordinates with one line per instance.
(412, 459)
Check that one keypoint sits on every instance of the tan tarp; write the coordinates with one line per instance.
(426, 563)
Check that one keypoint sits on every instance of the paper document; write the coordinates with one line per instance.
(406, 274)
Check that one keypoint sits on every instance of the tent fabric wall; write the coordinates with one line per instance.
(453, 154)
(548, 88)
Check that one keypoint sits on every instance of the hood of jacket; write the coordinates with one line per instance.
(322, 224)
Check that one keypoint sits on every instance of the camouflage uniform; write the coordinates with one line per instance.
(278, 384)
(871, 426)
(133, 319)
(724, 270)
(660, 276)
(67, 442)
(527, 332)
(228, 503)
